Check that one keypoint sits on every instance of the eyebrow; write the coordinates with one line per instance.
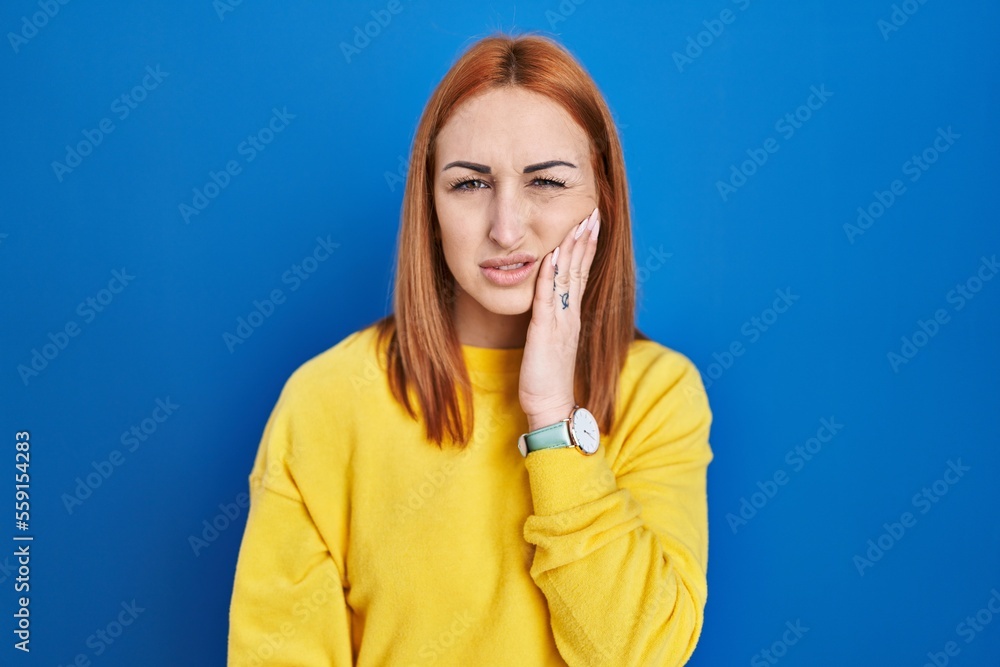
(483, 169)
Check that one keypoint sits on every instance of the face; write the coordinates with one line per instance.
(512, 175)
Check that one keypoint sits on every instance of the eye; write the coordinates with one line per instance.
(551, 182)
(479, 184)
(460, 183)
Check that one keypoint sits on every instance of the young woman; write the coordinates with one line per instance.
(504, 471)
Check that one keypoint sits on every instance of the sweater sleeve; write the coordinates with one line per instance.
(621, 545)
(288, 604)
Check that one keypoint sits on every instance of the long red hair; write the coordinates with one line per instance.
(423, 354)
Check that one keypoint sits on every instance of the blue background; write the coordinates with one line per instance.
(709, 263)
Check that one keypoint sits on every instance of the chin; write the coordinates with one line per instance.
(510, 303)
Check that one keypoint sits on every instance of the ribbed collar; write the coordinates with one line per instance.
(492, 360)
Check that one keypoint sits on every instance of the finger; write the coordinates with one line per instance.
(560, 282)
(563, 286)
(544, 295)
(589, 241)
(582, 239)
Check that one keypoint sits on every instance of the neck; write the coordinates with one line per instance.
(481, 328)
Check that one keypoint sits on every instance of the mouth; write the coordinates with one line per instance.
(508, 271)
(509, 262)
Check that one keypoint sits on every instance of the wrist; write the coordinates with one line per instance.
(549, 417)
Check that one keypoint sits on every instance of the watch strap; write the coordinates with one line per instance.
(548, 437)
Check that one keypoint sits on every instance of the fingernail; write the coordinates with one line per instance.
(595, 217)
(581, 227)
(555, 256)
(597, 227)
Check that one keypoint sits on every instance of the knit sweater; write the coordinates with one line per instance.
(367, 545)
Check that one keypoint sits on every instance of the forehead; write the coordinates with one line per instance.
(511, 125)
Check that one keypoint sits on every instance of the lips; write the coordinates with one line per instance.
(509, 270)
(508, 262)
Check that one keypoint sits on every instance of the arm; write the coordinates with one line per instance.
(288, 605)
(621, 549)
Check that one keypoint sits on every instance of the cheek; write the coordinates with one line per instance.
(448, 218)
(458, 245)
(560, 216)
(456, 212)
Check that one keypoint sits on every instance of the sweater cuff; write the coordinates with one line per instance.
(564, 478)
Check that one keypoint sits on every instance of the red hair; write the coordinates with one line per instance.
(423, 353)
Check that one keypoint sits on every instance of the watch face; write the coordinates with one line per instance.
(585, 430)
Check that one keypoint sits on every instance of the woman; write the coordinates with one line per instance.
(505, 471)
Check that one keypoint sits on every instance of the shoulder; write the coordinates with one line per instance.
(309, 427)
(657, 378)
(649, 361)
(342, 371)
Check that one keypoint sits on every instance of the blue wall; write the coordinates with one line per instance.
(815, 217)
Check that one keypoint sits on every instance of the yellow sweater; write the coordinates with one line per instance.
(366, 545)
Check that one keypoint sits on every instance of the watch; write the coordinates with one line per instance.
(579, 430)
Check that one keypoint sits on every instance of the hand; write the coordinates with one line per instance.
(549, 362)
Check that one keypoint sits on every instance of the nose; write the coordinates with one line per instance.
(509, 214)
